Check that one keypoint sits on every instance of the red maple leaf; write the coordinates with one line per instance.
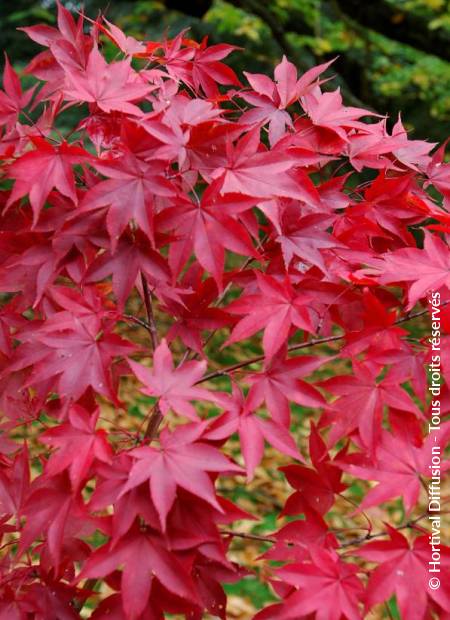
(326, 586)
(128, 193)
(272, 98)
(52, 509)
(279, 383)
(305, 237)
(314, 488)
(128, 45)
(254, 171)
(74, 353)
(398, 466)
(208, 71)
(118, 87)
(12, 99)
(276, 308)
(195, 312)
(207, 229)
(183, 460)
(379, 333)
(427, 269)
(174, 387)
(79, 443)
(36, 173)
(190, 170)
(14, 484)
(132, 255)
(362, 397)
(403, 570)
(144, 559)
(326, 110)
(253, 431)
(438, 173)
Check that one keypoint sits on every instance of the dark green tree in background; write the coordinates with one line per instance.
(392, 54)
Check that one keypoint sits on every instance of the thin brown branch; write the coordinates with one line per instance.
(156, 416)
(414, 315)
(369, 536)
(260, 358)
(302, 345)
(258, 537)
(348, 543)
(137, 320)
(355, 505)
(150, 315)
(153, 423)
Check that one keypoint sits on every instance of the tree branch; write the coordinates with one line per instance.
(260, 538)
(156, 415)
(260, 358)
(302, 345)
(137, 320)
(153, 423)
(150, 316)
(348, 543)
(369, 536)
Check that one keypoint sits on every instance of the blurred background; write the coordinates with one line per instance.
(392, 54)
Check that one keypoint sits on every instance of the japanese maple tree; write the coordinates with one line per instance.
(248, 263)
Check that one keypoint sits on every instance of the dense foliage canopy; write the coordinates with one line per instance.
(390, 54)
(213, 211)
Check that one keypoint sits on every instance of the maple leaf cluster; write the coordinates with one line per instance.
(267, 211)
